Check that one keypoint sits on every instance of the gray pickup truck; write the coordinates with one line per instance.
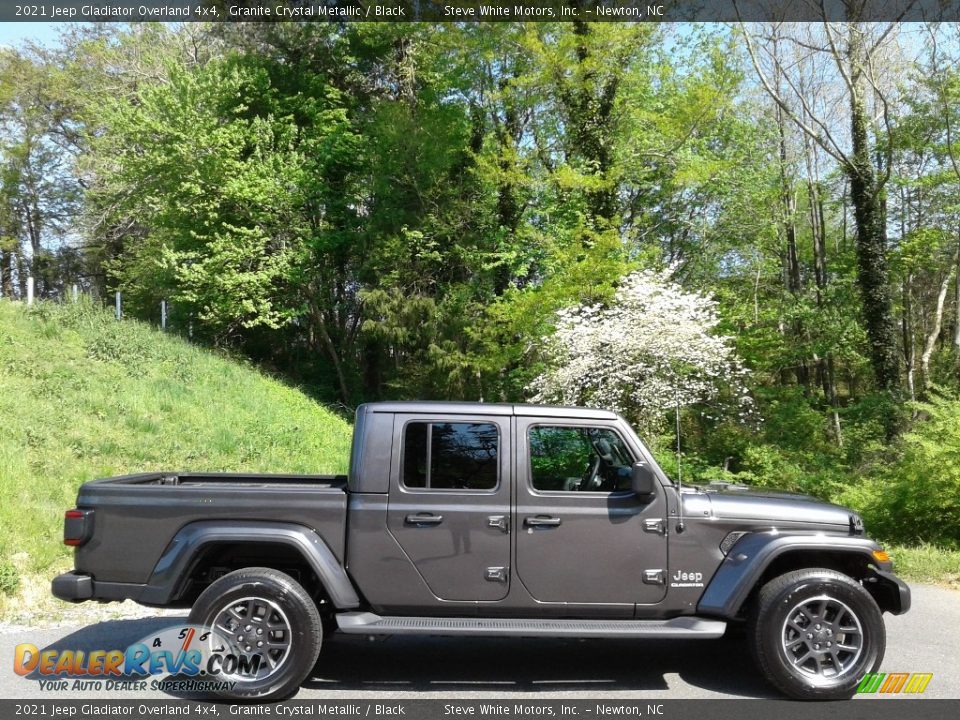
(482, 519)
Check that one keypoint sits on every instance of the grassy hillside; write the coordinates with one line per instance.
(84, 396)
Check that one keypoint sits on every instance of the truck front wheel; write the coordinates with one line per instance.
(271, 626)
(815, 633)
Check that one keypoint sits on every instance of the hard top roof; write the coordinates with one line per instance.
(433, 407)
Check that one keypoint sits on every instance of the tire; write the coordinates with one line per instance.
(272, 602)
(815, 633)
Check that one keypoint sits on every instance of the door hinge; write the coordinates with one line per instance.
(654, 525)
(496, 574)
(653, 577)
(498, 521)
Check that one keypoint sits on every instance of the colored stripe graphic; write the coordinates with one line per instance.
(870, 683)
(187, 640)
(918, 682)
(892, 683)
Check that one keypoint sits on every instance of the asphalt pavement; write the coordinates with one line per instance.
(927, 639)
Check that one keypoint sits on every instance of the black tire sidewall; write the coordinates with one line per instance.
(773, 613)
(305, 627)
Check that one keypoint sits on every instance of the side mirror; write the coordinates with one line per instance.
(642, 480)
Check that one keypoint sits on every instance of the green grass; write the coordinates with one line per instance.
(83, 396)
(927, 564)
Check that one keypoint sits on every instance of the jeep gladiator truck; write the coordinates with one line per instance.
(484, 519)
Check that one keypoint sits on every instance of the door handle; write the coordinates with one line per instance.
(541, 521)
(423, 519)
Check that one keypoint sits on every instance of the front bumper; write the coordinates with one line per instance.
(896, 593)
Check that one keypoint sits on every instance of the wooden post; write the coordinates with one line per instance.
(30, 290)
(119, 311)
(163, 314)
(76, 292)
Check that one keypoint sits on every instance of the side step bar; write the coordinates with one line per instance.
(365, 623)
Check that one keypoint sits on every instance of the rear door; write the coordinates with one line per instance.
(582, 535)
(449, 503)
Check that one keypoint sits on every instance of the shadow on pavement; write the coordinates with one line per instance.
(443, 664)
(109, 635)
(438, 665)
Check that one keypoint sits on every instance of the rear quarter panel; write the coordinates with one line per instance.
(134, 523)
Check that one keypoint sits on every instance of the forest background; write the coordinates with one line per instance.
(419, 211)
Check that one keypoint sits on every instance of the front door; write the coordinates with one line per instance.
(449, 505)
(582, 535)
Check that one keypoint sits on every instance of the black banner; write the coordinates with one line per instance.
(529, 708)
(481, 10)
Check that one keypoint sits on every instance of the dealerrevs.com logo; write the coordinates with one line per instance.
(894, 683)
(201, 658)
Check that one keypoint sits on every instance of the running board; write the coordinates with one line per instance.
(365, 623)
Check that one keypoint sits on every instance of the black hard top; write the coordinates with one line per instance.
(478, 408)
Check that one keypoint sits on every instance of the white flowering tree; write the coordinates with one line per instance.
(654, 347)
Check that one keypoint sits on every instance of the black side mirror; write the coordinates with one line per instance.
(642, 479)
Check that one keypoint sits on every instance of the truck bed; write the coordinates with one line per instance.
(139, 514)
(261, 480)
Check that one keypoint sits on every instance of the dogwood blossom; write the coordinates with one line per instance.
(653, 348)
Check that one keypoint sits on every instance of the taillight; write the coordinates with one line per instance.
(77, 527)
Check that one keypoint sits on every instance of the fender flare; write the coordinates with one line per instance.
(746, 561)
(192, 538)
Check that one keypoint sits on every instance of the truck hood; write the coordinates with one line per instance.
(736, 503)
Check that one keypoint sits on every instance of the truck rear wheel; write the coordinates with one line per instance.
(815, 633)
(267, 614)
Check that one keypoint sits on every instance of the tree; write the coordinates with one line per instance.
(856, 58)
(654, 347)
(213, 176)
(39, 193)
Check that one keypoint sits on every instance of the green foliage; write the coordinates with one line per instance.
(83, 396)
(916, 498)
(926, 564)
(210, 166)
(413, 203)
(9, 578)
(382, 210)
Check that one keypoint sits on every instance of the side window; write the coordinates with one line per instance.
(578, 459)
(450, 456)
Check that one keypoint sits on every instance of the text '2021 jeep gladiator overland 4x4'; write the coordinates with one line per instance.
(482, 519)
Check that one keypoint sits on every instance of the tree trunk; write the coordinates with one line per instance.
(589, 105)
(871, 240)
(6, 273)
(319, 326)
(956, 326)
(337, 364)
(22, 272)
(509, 207)
(825, 366)
(906, 324)
(792, 275)
(834, 400)
(934, 333)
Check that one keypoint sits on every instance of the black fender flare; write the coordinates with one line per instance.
(190, 540)
(747, 560)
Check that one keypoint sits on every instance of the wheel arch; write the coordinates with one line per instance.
(200, 548)
(758, 557)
